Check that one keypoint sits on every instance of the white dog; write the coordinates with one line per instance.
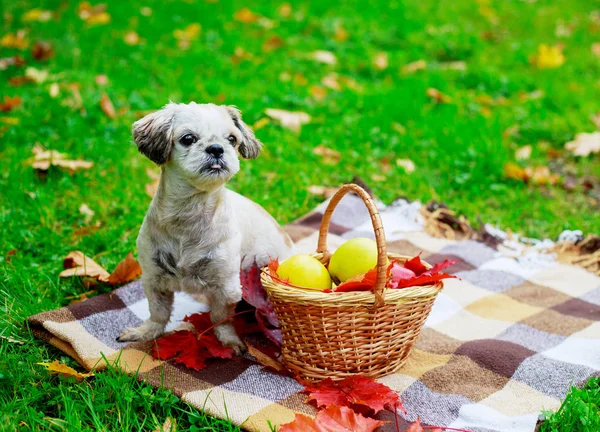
(197, 234)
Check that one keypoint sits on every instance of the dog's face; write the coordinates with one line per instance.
(201, 141)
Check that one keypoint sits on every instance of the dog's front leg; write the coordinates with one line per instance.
(160, 302)
(222, 305)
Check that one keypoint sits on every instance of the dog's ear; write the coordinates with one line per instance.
(152, 135)
(250, 145)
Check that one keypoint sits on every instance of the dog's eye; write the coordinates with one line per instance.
(232, 139)
(187, 140)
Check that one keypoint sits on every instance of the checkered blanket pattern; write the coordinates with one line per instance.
(502, 343)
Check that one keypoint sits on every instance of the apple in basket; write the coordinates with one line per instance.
(305, 271)
(353, 258)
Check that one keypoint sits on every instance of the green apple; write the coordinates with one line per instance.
(353, 258)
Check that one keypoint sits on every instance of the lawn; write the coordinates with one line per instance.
(480, 55)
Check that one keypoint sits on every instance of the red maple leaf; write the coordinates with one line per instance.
(255, 295)
(415, 265)
(354, 390)
(333, 419)
(402, 279)
(363, 282)
(189, 348)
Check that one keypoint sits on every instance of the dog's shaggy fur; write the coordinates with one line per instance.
(197, 234)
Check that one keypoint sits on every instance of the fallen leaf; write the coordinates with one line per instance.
(324, 191)
(523, 153)
(240, 54)
(596, 119)
(15, 40)
(584, 144)
(101, 80)
(10, 120)
(132, 38)
(265, 360)
(93, 15)
(541, 175)
(548, 57)
(77, 264)
(78, 102)
(15, 60)
(351, 391)
(401, 129)
(86, 211)
(454, 65)
(107, 106)
(330, 156)
(126, 271)
(340, 34)
(284, 10)
(37, 14)
(317, 92)
(18, 81)
(300, 79)
(272, 43)
(378, 177)
(596, 49)
(514, 172)
(331, 81)
(189, 348)
(255, 295)
(146, 11)
(261, 123)
(326, 57)
(332, 419)
(407, 164)
(11, 253)
(54, 90)
(187, 35)
(413, 67)
(38, 76)
(381, 61)
(438, 96)
(292, 120)
(170, 425)
(42, 50)
(44, 159)
(58, 368)
(246, 16)
(10, 103)
(80, 297)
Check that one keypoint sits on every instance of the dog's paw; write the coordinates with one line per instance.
(147, 331)
(228, 337)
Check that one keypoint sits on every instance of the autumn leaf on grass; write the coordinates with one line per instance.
(170, 425)
(523, 153)
(77, 264)
(326, 57)
(127, 270)
(331, 81)
(330, 156)
(548, 57)
(538, 175)
(107, 106)
(413, 67)
(514, 172)
(15, 60)
(42, 50)
(332, 419)
(191, 349)
(381, 61)
(324, 191)
(407, 164)
(584, 144)
(93, 15)
(36, 14)
(437, 96)
(352, 391)
(9, 103)
(272, 43)
(340, 34)
(44, 159)
(16, 40)
(187, 35)
(58, 368)
(246, 16)
(292, 120)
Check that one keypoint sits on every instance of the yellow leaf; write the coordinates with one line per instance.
(541, 175)
(37, 15)
(340, 34)
(317, 92)
(284, 10)
(246, 16)
(407, 164)
(596, 49)
(330, 156)
(414, 67)
(38, 76)
(326, 57)
(132, 38)
(378, 177)
(438, 96)
(548, 57)
(187, 35)
(15, 40)
(515, 172)
(584, 144)
(331, 81)
(261, 123)
(93, 15)
(58, 368)
(292, 120)
(381, 61)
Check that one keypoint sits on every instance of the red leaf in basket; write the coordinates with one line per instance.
(441, 266)
(415, 265)
(273, 265)
(402, 276)
(354, 390)
(364, 282)
(333, 419)
(189, 348)
(423, 280)
(255, 295)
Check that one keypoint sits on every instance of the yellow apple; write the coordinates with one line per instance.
(353, 258)
(305, 271)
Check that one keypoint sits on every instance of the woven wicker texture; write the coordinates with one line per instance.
(334, 335)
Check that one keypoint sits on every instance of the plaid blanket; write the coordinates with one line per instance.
(502, 343)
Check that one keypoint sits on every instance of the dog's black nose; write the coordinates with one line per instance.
(215, 150)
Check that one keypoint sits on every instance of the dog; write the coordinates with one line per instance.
(198, 235)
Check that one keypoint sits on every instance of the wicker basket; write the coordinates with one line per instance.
(334, 335)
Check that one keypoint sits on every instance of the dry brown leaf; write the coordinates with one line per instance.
(524, 152)
(43, 159)
(317, 92)
(38, 15)
(284, 10)
(77, 264)
(541, 175)
(107, 106)
(438, 96)
(42, 50)
(15, 60)
(584, 144)
(15, 40)
(326, 57)
(132, 38)
(246, 16)
(58, 368)
(407, 164)
(385, 165)
(324, 191)
(515, 172)
(273, 43)
(170, 425)
(414, 67)
(86, 211)
(330, 156)
(126, 271)
(152, 187)
(18, 81)
(292, 120)
(93, 15)
(381, 61)
(331, 81)
(10, 103)
(264, 360)
(11, 253)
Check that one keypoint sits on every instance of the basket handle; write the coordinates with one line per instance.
(377, 227)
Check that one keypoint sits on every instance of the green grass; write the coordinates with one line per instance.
(459, 152)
